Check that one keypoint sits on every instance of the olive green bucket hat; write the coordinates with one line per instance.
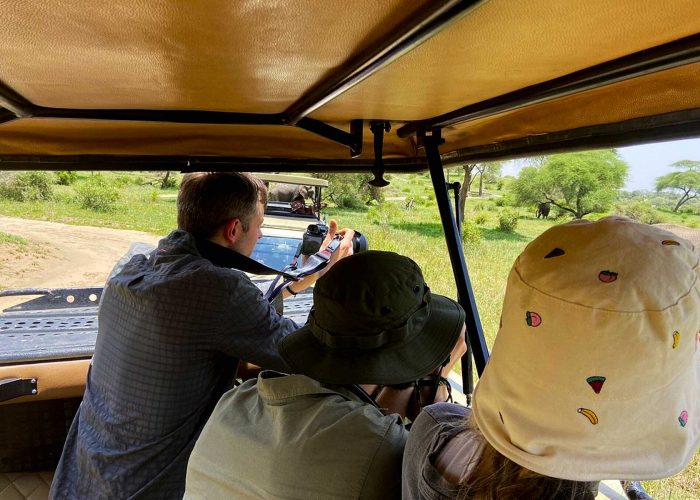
(374, 321)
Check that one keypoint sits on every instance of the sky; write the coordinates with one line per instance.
(646, 162)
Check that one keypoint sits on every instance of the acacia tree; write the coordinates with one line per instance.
(687, 181)
(491, 170)
(466, 184)
(578, 183)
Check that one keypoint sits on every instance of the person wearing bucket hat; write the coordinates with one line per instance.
(595, 373)
(318, 433)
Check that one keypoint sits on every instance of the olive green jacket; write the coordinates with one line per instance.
(293, 437)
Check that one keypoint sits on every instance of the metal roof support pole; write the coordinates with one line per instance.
(465, 293)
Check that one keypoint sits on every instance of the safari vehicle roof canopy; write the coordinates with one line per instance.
(142, 84)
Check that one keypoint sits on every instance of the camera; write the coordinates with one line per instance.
(313, 238)
(315, 234)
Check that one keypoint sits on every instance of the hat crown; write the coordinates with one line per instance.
(368, 293)
(573, 260)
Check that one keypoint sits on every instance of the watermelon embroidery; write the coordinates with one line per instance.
(596, 382)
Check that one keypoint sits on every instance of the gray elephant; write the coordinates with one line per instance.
(287, 192)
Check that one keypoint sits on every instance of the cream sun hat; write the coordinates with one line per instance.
(595, 372)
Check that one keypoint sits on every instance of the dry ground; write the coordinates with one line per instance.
(60, 255)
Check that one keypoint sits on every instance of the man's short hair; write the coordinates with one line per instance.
(207, 200)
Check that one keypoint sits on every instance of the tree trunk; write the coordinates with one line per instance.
(481, 184)
(680, 203)
(464, 192)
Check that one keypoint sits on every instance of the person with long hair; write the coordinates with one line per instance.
(595, 373)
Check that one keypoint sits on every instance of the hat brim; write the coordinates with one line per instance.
(387, 365)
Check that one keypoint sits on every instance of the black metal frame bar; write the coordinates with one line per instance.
(671, 55)
(465, 292)
(668, 126)
(202, 163)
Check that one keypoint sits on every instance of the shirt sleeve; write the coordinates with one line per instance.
(383, 479)
(251, 328)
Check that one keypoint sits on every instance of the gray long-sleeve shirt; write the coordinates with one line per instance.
(171, 330)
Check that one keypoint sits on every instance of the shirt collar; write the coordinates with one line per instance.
(278, 388)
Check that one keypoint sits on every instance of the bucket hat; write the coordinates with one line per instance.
(374, 321)
(595, 371)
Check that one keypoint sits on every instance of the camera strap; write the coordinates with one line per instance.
(225, 257)
(313, 264)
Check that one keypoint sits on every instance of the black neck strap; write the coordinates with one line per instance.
(225, 257)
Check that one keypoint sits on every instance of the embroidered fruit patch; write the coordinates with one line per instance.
(533, 319)
(607, 276)
(596, 382)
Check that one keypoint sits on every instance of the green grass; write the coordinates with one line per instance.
(11, 239)
(135, 210)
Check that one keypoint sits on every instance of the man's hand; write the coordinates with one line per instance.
(458, 351)
(345, 247)
(343, 250)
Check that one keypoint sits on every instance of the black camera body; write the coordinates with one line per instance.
(314, 235)
(313, 238)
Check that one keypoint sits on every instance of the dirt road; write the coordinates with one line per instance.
(62, 255)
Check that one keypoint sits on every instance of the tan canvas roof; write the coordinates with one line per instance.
(260, 67)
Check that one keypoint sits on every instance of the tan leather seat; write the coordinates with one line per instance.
(25, 485)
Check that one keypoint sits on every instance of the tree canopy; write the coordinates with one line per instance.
(578, 183)
(687, 181)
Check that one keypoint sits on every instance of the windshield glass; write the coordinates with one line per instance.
(275, 251)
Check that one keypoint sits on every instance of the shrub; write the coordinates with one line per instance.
(28, 186)
(385, 213)
(471, 233)
(348, 201)
(97, 194)
(507, 220)
(66, 177)
(641, 211)
(480, 218)
(170, 180)
(500, 202)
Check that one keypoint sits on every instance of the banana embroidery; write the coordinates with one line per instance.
(589, 414)
(676, 339)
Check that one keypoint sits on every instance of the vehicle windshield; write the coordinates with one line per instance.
(275, 251)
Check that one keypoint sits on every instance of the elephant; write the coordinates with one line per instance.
(542, 210)
(287, 192)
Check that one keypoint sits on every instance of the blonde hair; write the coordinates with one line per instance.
(495, 477)
(207, 200)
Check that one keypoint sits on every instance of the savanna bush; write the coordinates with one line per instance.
(471, 233)
(97, 194)
(66, 177)
(480, 218)
(348, 201)
(28, 186)
(507, 220)
(641, 211)
(385, 213)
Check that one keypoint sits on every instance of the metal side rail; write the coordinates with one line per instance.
(62, 323)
